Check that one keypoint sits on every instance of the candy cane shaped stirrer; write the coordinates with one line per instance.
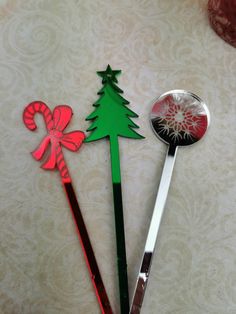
(56, 123)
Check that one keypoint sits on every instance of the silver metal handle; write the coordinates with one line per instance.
(164, 185)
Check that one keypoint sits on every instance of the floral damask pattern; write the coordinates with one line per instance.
(51, 50)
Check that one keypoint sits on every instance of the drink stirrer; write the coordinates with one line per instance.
(178, 118)
(111, 119)
(56, 122)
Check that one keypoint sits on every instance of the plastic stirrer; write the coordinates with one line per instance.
(112, 119)
(56, 122)
(178, 118)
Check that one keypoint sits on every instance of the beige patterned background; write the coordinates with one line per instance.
(50, 50)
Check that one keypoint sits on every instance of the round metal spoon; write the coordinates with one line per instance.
(178, 118)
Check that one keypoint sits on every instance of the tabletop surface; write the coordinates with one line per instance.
(50, 51)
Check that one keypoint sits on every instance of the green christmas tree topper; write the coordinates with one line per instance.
(111, 118)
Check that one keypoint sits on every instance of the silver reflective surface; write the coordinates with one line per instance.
(179, 118)
(143, 276)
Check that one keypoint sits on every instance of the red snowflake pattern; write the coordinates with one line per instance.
(179, 118)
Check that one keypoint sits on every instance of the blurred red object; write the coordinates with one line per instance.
(222, 16)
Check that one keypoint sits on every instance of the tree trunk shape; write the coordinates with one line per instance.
(119, 223)
(115, 159)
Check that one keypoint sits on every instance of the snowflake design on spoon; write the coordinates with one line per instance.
(180, 120)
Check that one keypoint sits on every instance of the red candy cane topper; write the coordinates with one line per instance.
(56, 123)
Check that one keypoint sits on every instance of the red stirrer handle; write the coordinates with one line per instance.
(88, 251)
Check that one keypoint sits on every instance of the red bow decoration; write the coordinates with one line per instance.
(56, 124)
